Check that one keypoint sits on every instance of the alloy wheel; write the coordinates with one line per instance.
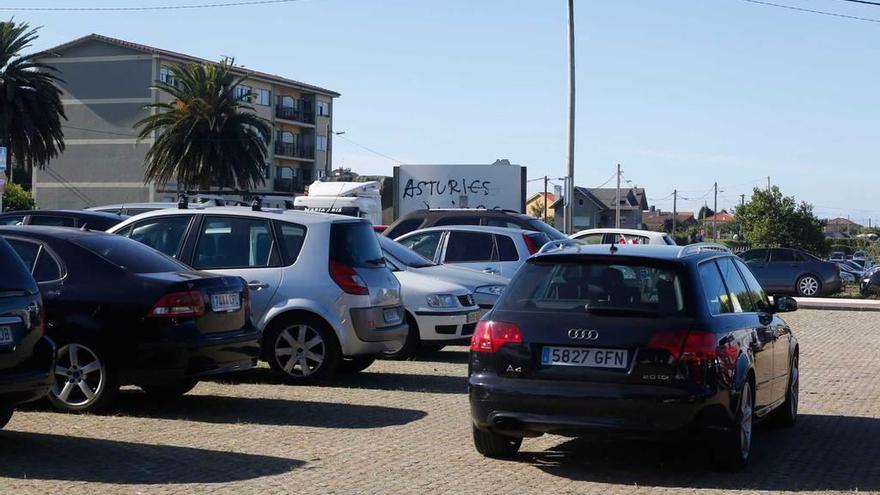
(808, 286)
(300, 350)
(79, 376)
(745, 428)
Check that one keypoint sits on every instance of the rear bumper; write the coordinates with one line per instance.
(31, 380)
(205, 355)
(374, 325)
(832, 286)
(447, 327)
(528, 408)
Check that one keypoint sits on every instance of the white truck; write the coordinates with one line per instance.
(356, 199)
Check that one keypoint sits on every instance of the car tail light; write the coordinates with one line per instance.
(493, 335)
(347, 279)
(178, 304)
(695, 350)
(531, 245)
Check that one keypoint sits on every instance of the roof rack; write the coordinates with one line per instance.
(557, 245)
(699, 247)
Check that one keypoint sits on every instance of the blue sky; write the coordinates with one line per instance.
(681, 93)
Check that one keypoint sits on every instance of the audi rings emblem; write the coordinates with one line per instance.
(583, 334)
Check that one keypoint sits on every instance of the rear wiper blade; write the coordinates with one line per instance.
(619, 310)
(377, 261)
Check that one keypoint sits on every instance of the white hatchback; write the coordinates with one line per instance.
(622, 236)
(319, 287)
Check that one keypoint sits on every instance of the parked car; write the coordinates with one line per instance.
(320, 290)
(443, 303)
(195, 201)
(27, 356)
(870, 284)
(847, 277)
(790, 271)
(124, 314)
(496, 250)
(837, 256)
(422, 219)
(622, 236)
(633, 338)
(92, 220)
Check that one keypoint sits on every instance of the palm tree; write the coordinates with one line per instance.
(30, 101)
(207, 135)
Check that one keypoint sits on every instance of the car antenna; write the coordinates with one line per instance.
(341, 187)
(613, 248)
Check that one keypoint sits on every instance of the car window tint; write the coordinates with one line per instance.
(668, 240)
(469, 247)
(507, 248)
(47, 268)
(128, 254)
(404, 227)
(620, 288)
(164, 234)
(228, 242)
(756, 255)
(590, 239)
(759, 297)
(781, 256)
(425, 244)
(16, 276)
(717, 298)
(355, 244)
(12, 220)
(27, 251)
(292, 238)
(52, 221)
(457, 220)
(736, 287)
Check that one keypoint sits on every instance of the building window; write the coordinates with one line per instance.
(242, 92)
(264, 97)
(166, 75)
(323, 108)
(321, 144)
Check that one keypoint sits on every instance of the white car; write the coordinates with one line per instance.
(319, 287)
(496, 250)
(622, 236)
(443, 303)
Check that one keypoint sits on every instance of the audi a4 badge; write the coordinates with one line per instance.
(583, 334)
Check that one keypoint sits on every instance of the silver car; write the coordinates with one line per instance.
(319, 287)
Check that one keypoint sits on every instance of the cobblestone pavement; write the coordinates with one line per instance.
(404, 428)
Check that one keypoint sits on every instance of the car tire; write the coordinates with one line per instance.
(787, 414)
(735, 447)
(410, 346)
(85, 380)
(808, 286)
(302, 349)
(170, 391)
(355, 364)
(495, 445)
(5, 415)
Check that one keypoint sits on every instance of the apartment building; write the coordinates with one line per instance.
(106, 86)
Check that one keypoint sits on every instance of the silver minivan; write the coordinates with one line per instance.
(319, 287)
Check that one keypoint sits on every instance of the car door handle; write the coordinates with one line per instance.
(489, 270)
(257, 285)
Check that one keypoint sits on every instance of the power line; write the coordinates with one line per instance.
(866, 2)
(147, 8)
(370, 150)
(812, 11)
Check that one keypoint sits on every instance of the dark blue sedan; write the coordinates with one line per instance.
(790, 271)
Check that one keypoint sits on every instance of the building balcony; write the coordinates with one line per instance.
(301, 114)
(295, 150)
(292, 186)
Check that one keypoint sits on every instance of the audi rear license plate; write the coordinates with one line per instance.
(584, 356)
(226, 302)
(5, 335)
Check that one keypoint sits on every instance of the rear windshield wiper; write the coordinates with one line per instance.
(622, 310)
(377, 261)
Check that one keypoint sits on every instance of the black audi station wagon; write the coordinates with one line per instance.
(634, 339)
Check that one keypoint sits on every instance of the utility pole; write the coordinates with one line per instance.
(545, 199)
(715, 215)
(617, 200)
(569, 191)
(743, 199)
(674, 210)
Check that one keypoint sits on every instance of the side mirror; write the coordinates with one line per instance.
(784, 304)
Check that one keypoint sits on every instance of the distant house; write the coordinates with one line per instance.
(840, 224)
(535, 206)
(656, 219)
(722, 217)
(596, 208)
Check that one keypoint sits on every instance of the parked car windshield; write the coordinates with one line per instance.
(403, 254)
(129, 255)
(552, 233)
(595, 286)
(355, 244)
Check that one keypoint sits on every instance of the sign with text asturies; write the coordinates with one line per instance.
(499, 185)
